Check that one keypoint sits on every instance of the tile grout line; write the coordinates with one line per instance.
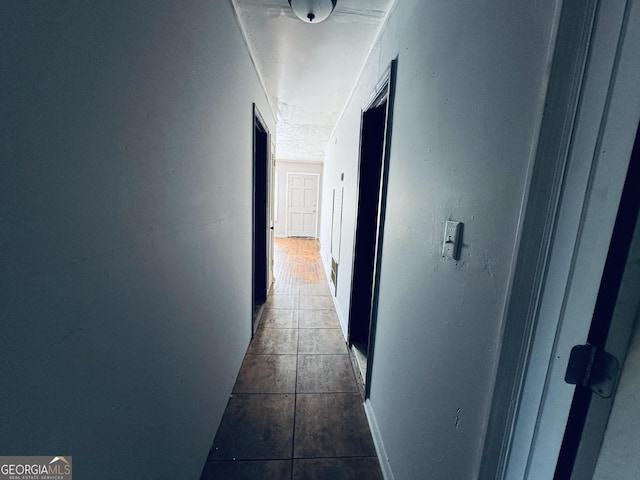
(295, 385)
(299, 291)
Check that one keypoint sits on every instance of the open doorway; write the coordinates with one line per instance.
(612, 329)
(375, 134)
(261, 213)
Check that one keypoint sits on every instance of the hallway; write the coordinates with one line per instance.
(296, 409)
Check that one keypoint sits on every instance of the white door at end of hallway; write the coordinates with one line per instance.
(302, 202)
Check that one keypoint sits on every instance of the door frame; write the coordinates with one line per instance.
(286, 199)
(260, 213)
(384, 91)
(573, 192)
(611, 331)
(273, 203)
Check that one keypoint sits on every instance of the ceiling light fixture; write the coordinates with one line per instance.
(312, 11)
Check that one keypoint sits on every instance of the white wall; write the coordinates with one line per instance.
(125, 230)
(470, 90)
(282, 168)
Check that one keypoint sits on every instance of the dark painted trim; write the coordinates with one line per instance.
(384, 92)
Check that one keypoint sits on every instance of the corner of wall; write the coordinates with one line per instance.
(383, 458)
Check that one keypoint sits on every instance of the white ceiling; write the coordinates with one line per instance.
(309, 70)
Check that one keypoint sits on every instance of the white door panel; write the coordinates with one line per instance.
(302, 201)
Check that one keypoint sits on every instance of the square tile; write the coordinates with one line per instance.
(337, 469)
(331, 425)
(255, 427)
(267, 374)
(325, 373)
(321, 340)
(274, 341)
(284, 287)
(282, 300)
(318, 319)
(316, 302)
(279, 318)
(298, 347)
(247, 470)
(315, 289)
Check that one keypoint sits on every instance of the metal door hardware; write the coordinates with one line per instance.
(594, 369)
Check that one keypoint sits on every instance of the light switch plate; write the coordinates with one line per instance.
(451, 242)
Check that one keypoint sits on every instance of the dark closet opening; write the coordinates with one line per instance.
(375, 134)
(260, 215)
(371, 153)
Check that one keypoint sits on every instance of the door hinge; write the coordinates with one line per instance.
(594, 369)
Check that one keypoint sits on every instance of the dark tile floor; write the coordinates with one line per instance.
(296, 410)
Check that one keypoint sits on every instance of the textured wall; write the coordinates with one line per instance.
(125, 220)
(470, 89)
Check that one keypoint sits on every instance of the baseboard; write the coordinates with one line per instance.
(385, 466)
(341, 319)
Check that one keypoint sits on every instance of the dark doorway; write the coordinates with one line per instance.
(371, 153)
(372, 190)
(260, 215)
(589, 414)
